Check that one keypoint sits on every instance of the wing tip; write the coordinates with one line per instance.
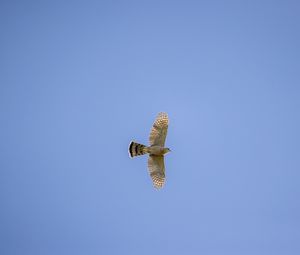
(163, 114)
(158, 182)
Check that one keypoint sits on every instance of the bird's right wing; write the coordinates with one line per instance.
(159, 130)
(156, 167)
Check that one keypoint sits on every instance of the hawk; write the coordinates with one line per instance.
(156, 150)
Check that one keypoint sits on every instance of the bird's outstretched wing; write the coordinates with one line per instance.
(156, 167)
(159, 130)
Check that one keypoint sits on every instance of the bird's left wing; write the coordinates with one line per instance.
(156, 167)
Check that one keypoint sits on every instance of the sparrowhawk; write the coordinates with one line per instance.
(156, 150)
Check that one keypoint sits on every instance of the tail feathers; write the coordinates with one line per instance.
(137, 149)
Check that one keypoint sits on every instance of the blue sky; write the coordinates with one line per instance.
(81, 79)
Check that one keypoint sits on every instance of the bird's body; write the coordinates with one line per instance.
(137, 149)
(156, 150)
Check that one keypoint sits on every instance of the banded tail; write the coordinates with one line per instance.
(137, 149)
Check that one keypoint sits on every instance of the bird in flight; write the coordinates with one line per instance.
(156, 150)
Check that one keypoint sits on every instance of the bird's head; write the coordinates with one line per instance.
(166, 150)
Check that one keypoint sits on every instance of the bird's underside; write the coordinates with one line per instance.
(156, 150)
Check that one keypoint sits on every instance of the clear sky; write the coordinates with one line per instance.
(80, 79)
